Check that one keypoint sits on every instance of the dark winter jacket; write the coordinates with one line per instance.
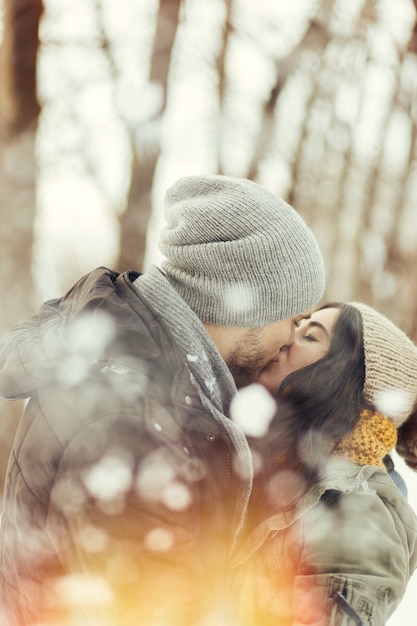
(120, 498)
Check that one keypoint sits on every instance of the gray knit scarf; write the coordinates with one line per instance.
(208, 370)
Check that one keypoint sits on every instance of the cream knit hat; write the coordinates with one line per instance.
(390, 365)
(237, 254)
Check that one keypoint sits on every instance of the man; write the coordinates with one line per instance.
(128, 482)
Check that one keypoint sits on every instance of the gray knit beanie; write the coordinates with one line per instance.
(390, 365)
(238, 255)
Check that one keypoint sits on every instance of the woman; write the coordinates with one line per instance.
(330, 539)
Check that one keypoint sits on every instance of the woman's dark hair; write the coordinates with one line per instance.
(407, 438)
(319, 404)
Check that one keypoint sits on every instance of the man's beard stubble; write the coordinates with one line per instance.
(247, 361)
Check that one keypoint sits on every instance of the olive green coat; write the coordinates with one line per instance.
(341, 556)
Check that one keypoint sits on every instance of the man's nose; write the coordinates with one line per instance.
(290, 338)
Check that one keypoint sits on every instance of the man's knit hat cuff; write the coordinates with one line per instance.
(238, 304)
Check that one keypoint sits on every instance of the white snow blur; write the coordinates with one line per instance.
(89, 334)
(159, 540)
(83, 590)
(253, 408)
(110, 478)
(157, 480)
(86, 337)
(237, 299)
(392, 402)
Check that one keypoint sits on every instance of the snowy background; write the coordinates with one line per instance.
(99, 108)
(69, 196)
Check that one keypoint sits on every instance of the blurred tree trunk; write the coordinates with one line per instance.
(19, 112)
(315, 39)
(146, 145)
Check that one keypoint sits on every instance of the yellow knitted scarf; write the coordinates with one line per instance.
(373, 437)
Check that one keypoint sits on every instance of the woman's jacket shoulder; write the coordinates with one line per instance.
(349, 497)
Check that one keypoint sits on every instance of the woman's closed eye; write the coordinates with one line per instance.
(298, 322)
(309, 338)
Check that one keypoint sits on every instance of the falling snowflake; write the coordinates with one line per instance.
(159, 540)
(238, 299)
(77, 589)
(176, 496)
(392, 402)
(154, 476)
(253, 408)
(110, 478)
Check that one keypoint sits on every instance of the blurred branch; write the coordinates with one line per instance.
(220, 62)
(315, 39)
(19, 111)
(412, 46)
(166, 30)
